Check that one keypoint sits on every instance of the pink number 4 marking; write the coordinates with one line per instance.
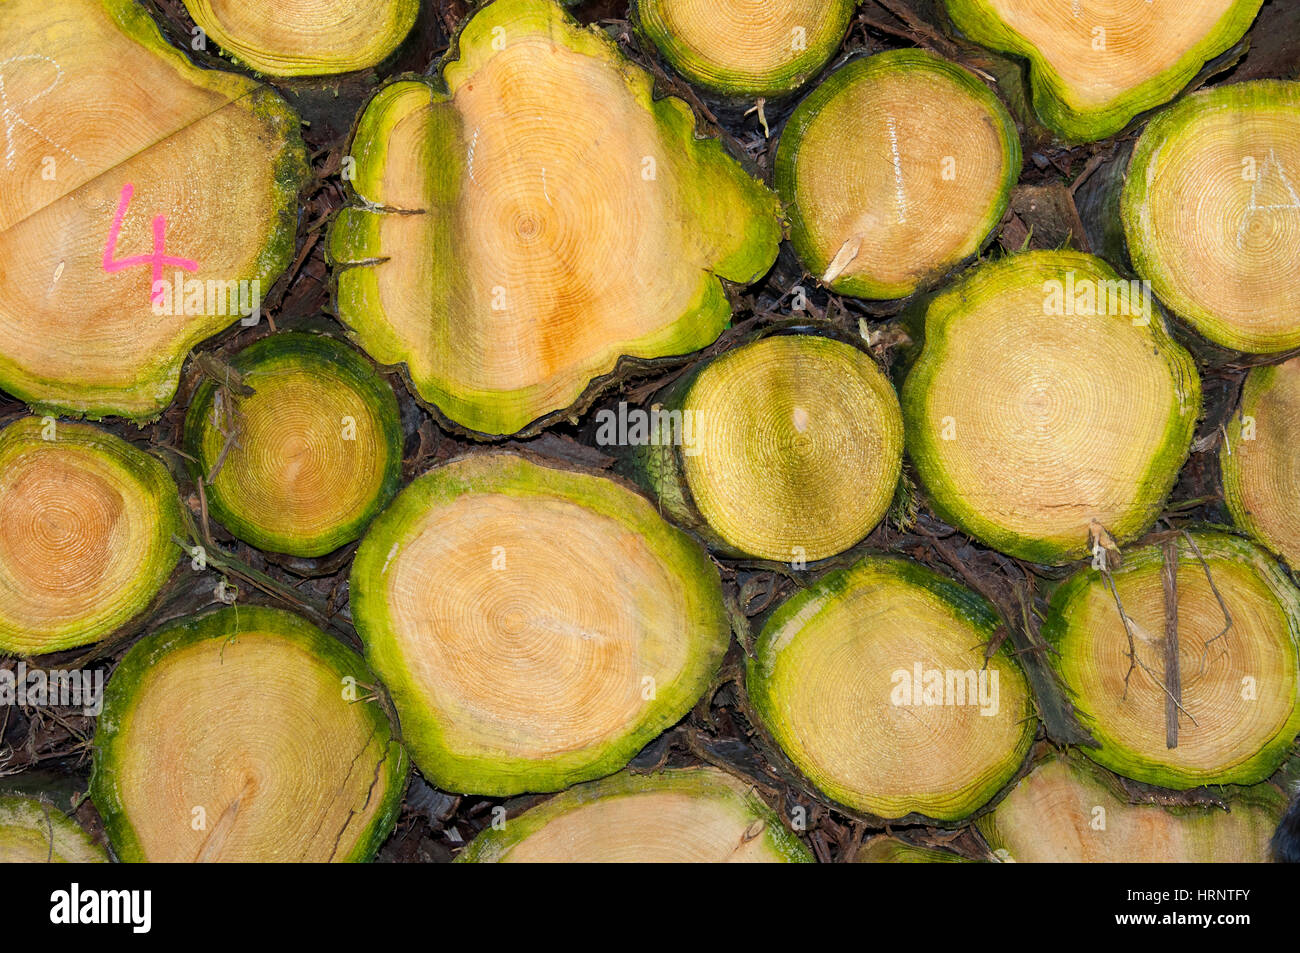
(157, 260)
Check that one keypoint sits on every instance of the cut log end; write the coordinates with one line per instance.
(308, 456)
(1023, 428)
(187, 770)
(34, 831)
(1067, 811)
(559, 191)
(1211, 212)
(788, 448)
(1094, 67)
(1258, 461)
(746, 48)
(894, 170)
(691, 815)
(569, 617)
(875, 683)
(86, 529)
(1232, 688)
(313, 38)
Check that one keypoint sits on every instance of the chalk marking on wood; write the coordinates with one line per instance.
(1253, 205)
(10, 116)
(899, 194)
